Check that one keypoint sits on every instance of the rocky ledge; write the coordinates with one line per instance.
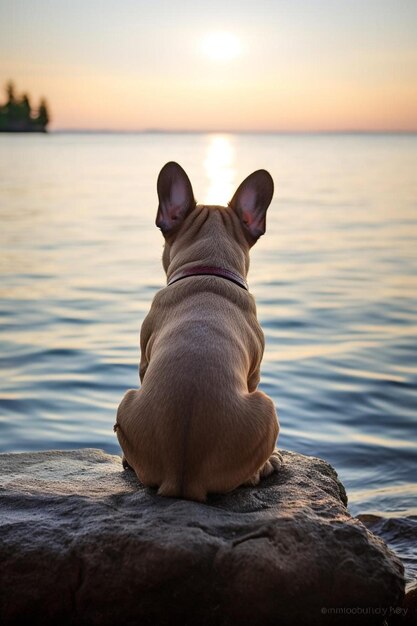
(82, 542)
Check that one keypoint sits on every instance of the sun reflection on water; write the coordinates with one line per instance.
(219, 167)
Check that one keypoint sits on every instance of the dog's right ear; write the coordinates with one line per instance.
(176, 198)
(251, 201)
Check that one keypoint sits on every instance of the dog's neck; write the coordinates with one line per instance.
(208, 270)
(206, 242)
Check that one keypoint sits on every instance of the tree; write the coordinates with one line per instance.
(17, 115)
(10, 92)
(43, 114)
(25, 107)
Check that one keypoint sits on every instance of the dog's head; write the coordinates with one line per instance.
(221, 229)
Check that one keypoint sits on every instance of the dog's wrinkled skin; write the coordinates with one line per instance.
(198, 423)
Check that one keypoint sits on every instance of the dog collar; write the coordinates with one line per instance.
(208, 270)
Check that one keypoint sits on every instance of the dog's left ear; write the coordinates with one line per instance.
(176, 197)
(251, 201)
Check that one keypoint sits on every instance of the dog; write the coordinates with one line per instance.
(198, 424)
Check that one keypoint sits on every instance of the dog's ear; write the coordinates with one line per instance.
(251, 201)
(176, 198)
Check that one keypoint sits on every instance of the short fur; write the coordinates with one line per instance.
(198, 424)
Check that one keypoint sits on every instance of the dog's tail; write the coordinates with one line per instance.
(181, 474)
(191, 491)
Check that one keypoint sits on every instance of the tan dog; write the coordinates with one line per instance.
(198, 423)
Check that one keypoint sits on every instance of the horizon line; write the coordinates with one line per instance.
(167, 131)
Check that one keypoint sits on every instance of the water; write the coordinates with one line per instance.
(335, 280)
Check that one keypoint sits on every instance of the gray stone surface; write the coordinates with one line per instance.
(82, 542)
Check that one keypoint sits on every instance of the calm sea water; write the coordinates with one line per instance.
(335, 279)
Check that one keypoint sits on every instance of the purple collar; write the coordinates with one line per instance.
(208, 270)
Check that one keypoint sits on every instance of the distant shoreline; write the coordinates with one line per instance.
(107, 131)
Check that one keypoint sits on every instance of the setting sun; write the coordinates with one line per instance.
(221, 46)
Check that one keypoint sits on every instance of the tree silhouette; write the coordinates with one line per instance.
(25, 107)
(10, 92)
(16, 114)
(43, 114)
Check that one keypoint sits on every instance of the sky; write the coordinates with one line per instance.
(298, 65)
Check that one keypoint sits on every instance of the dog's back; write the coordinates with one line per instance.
(198, 424)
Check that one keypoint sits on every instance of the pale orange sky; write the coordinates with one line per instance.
(136, 64)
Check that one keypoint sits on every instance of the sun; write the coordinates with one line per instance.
(221, 46)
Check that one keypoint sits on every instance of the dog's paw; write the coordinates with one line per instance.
(276, 460)
(272, 465)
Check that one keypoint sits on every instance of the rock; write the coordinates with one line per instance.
(410, 606)
(406, 615)
(82, 542)
(400, 533)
